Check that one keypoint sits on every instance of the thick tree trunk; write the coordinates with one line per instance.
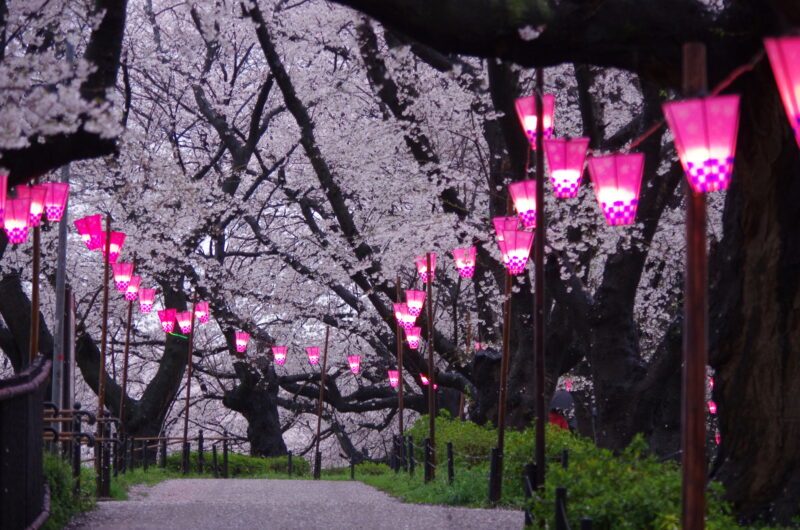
(255, 398)
(755, 310)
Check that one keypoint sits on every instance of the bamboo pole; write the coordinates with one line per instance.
(399, 360)
(431, 376)
(101, 384)
(124, 390)
(317, 454)
(189, 349)
(539, 287)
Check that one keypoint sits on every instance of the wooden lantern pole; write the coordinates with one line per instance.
(189, 352)
(539, 302)
(317, 454)
(399, 360)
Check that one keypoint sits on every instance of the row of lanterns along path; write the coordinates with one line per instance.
(704, 129)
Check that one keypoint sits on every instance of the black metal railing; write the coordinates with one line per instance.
(24, 499)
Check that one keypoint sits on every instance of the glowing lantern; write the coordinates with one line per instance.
(394, 378)
(313, 355)
(480, 346)
(711, 383)
(91, 231)
(617, 179)
(568, 385)
(3, 193)
(403, 316)
(167, 317)
(146, 299)
(523, 194)
(37, 195)
(133, 288)
(413, 336)
(705, 138)
(17, 220)
(465, 261)
(717, 438)
(117, 239)
(279, 353)
(184, 319)
(415, 300)
(354, 362)
(526, 111)
(55, 200)
(201, 312)
(784, 56)
(242, 338)
(425, 381)
(712, 407)
(122, 274)
(565, 158)
(516, 247)
(422, 267)
(501, 224)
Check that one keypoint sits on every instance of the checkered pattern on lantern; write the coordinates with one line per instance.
(168, 327)
(187, 329)
(122, 285)
(424, 277)
(712, 175)
(516, 265)
(145, 308)
(2, 216)
(413, 344)
(415, 311)
(466, 272)
(17, 235)
(35, 220)
(54, 212)
(406, 325)
(130, 296)
(528, 218)
(548, 132)
(203, 318)
(620, 213)
(565, 189)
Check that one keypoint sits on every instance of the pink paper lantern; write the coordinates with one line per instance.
(17, 220)
(565, 158)
(37, 195)
(480, 346)
(523, 194)
(201, 312)
(242, 339)
(132, 291)
(568, 385)
(313, 355)
(117, 239)
(394, 378)
(184, 319)
(415, 300)
(167, 317)
(3, 196)
(526, 111)
(404, 316)
(413, 335)
(465, 261)
(516, 247)
(422, 267)
(501, 224)
(146, 299)
(91, 231)
(616, 180)
(425, 381)
(122, 275)
(711, 383)
(784, 56)
(717, 438)
(279, 354)
(55, 200)
(712, 407)
(354, 362)
(705, 138)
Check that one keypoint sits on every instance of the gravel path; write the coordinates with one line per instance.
(199, 504)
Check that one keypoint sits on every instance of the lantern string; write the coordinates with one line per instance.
(725, 83)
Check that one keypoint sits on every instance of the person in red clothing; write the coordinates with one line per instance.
(556, 418)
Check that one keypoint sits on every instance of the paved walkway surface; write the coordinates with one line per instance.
(199, 504)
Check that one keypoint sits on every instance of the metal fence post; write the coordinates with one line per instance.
(586, 524)
(528, 480)
(145, 463)
(450, 465)
(565, 458)
(129, 454)
(214, 465)
(317, 465)
(200, 452)
(428, 462)
(494, 475)
(185, 458)
(411, 461)
(289, 464)
(403, 460)
(352, 469)
(561, 508)
(163, 443)
(225, 456)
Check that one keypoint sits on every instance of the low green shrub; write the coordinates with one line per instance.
(63, 505)
(242, 465)
(372, 468)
